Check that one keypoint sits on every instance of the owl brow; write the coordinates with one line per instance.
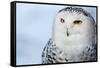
(78, 10)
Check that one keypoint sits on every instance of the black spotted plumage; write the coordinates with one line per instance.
(52, 54)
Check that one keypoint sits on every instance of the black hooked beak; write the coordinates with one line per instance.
(67, 32)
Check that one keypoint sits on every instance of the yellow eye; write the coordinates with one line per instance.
(62, 20)
(77, 22)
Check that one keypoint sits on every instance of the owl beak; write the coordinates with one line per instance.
(67, 32)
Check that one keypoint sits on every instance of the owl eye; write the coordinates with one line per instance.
(77, 22)
(62, 20)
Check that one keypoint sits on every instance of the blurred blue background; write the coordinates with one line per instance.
(34, 28)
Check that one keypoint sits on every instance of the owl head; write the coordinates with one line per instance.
(73, 22)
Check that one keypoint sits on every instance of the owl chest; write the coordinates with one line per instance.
(72, 50)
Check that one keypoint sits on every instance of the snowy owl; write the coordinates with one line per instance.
(73, 38)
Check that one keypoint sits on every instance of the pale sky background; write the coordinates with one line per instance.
(34, 28)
